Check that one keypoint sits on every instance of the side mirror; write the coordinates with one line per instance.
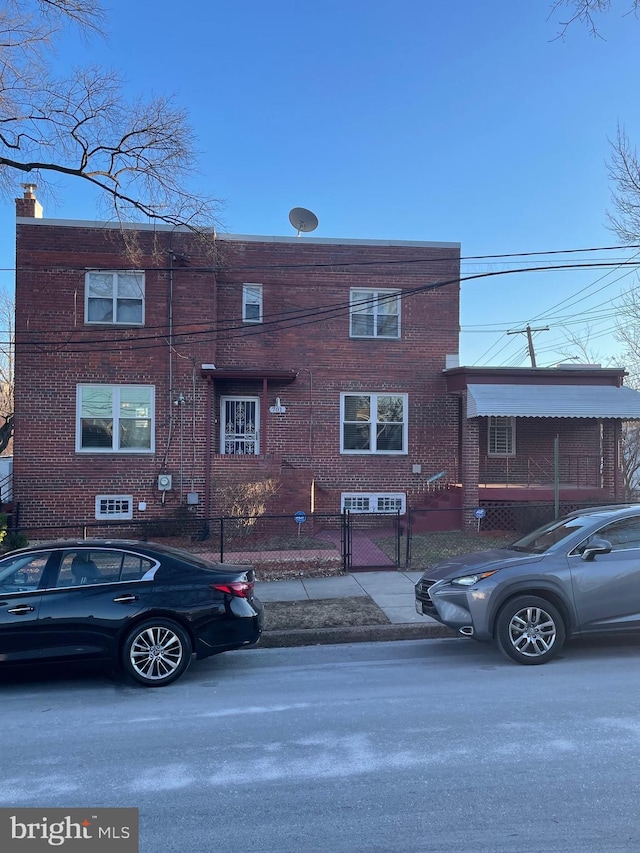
(595, 547)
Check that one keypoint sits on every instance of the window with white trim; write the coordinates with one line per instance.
(114, 297)
(378, 502)
(374, 313)
(252, 303)
(114, 507)
(373, 423)
(115, 418)
(502, 436)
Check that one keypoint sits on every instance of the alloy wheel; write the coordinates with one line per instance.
(532, 631)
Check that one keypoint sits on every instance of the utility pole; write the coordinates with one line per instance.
(528, 332)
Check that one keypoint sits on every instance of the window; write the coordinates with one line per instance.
(114, 297)
(239, 431)
(114, 507)
(373, 423)
(24, 572)
(116, 418)
(375, 313)
(252, 303)
(85, 566)
(502, 436)
(373, 502)
(624, 535)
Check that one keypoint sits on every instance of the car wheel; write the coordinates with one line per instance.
(530, 630)
(156, 652)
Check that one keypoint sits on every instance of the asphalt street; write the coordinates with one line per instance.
(433, 745)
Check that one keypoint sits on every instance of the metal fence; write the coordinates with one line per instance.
(323, 544)
(492, 525)
(277, 544)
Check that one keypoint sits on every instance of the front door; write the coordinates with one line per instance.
(240, 425)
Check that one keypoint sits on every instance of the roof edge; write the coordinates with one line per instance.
(256, 238)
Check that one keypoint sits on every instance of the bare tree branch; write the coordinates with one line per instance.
(624, 172)
(585, 12)
(138, 154)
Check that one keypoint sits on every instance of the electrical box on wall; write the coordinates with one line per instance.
(164, 482)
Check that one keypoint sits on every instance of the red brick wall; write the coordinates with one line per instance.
(306, 329)
(302, 282)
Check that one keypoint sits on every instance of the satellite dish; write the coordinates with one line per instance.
(303, 220)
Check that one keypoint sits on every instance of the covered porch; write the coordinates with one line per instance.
(542, 434)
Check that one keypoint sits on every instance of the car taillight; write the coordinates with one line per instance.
(242, 589)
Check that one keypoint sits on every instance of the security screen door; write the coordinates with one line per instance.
(239, 433)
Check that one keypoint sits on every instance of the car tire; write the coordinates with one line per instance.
(156, 652)
(530, 630)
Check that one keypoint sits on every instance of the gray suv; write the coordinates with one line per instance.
(576, 576)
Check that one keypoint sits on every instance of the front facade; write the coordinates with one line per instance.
(226, 375)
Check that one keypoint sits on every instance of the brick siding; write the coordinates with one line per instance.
(305, 329)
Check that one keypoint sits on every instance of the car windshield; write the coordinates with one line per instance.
(546, 537)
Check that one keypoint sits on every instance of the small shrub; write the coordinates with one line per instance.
(12, 540)
(247, 501)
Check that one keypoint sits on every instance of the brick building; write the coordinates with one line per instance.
(301, 373)
(157, 371)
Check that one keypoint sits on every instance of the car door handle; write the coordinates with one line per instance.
(126, 598)
(20, 609)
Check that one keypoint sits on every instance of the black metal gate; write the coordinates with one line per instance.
(371, 541)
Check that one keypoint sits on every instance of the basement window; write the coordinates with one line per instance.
(374, 502)
(114, 507)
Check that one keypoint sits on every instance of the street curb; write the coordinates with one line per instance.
(352, 634)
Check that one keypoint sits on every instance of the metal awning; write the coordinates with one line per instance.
(553, 401)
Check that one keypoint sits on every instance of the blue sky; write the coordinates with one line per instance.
(407, 120)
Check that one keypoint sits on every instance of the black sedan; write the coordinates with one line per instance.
(145, 607)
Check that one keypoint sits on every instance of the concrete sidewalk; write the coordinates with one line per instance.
(392, 591)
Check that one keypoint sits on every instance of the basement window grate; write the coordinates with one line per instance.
(114, 507)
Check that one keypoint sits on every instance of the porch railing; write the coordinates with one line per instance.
(574, 469)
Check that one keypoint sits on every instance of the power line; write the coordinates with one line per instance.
(295, 318)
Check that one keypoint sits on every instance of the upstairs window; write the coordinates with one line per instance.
(374, 423)
(114, 297)
(375, 313)
(252, 303)
(502, 436)
(115, 418)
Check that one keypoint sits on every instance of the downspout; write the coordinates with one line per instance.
(170, 330)
(207, 448)
(617, 461)
(460, 445)
(263, 417)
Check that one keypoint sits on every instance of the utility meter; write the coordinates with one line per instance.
(164, 482)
